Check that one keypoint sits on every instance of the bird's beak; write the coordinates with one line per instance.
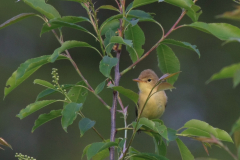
(137, 80)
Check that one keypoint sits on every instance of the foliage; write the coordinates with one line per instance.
(121, 29)
(232, 71)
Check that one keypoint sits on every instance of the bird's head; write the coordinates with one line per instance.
(146, 80)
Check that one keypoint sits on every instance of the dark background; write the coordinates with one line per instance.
(216, 103)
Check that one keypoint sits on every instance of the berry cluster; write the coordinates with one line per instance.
(55, 80)
(20, 156)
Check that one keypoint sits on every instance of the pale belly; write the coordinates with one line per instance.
(155, 106)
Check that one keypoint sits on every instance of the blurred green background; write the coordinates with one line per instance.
(216, 103)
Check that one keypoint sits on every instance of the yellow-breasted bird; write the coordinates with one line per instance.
(157, 103)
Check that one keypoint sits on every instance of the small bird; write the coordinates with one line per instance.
(157, 103)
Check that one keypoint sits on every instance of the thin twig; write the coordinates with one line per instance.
(94, 21)
(155, 46)
(124, 111)
(120, 102)
(229, 152)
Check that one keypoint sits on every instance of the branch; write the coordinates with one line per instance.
(155, 46)
(116, 80)
(114, 106)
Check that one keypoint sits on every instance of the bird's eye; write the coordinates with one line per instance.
(149, 80)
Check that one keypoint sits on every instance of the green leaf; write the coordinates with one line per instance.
(164, 86)
(107, 145)
(44, 118)
(223, 31)
(147, 123)
(226, 72)
(16, 19)
(113, 22)
(140, 14)
(182, 44)
(196, 125)
(160, 146)
(162, 130)
(205, 159)
(234, 15)
(43, 83)
(135, 34)
(235, 127)
(85, 124)
(100, 87)
(69, 114)
(46, 9)
(127, 92)
(120, 40)
(25, 70)
(136, 155)
(155, 126)
(85, 150)
(133, 22)
(195, 132)
(185, 153)
(45, 93)
(106, 65)
(231, 40)
(78, 93)
(110, 24)
(120, 145)
(138, 3)
(101, 155)
(48, 91)
(129, 6)
(168, 62)
(133, 151)
(71, 25)
(236, 78)
(110, 7)
(186, 4)
(68, 45)
(79, 1)
(137, 127)
(109, 34)
(32, 64)
(31, 108)
(158, 121)
(238, 152)
(68, 19)
(97, 148)
(236, 136)
(93, 149)
(171, 135)
(194, 12)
